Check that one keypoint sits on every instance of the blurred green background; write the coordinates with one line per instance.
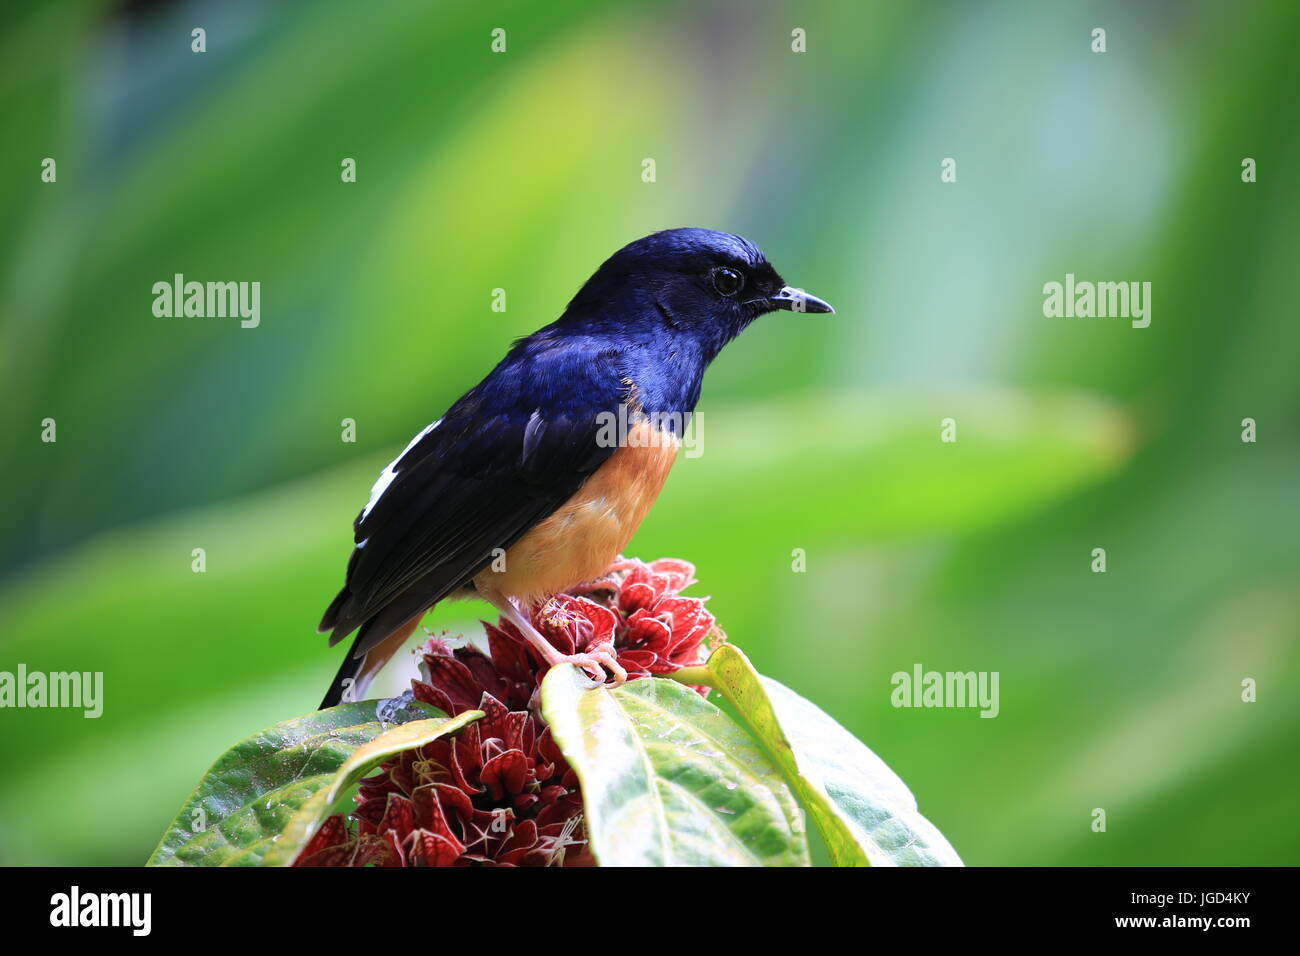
(522, 171)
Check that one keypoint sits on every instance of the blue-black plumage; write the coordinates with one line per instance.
(521, 488)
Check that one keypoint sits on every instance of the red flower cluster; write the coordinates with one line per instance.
(496, 794)
(500, 792)
(638, 609)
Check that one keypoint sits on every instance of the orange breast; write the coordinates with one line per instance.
(590, 530)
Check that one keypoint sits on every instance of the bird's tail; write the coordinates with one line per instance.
(345, 679)
(358, 670)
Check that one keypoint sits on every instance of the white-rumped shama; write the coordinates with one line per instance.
(517, 492)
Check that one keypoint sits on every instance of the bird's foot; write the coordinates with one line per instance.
(595, 662)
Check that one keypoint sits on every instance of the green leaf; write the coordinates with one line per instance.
(670, 780)
(865, 812)
(263, 799)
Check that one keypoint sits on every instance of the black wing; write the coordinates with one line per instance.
(502, 459)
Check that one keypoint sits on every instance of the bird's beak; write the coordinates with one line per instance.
(797, 300)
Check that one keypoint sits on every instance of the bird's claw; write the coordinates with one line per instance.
(595, 662)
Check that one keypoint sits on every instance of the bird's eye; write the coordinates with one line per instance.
(728, 281)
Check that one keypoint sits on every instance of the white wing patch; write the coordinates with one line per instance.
(388, 474)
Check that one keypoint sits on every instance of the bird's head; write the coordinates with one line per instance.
(693, 283)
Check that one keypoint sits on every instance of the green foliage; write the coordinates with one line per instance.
(866, 814)
(668, 779)
(263, 799)
(820, 431)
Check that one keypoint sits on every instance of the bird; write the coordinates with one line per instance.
(535, 479)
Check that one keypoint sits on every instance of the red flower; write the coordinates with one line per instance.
(500, 792)
(496, 794)
(635, 607)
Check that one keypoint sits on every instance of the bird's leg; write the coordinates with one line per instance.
(593, 661)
